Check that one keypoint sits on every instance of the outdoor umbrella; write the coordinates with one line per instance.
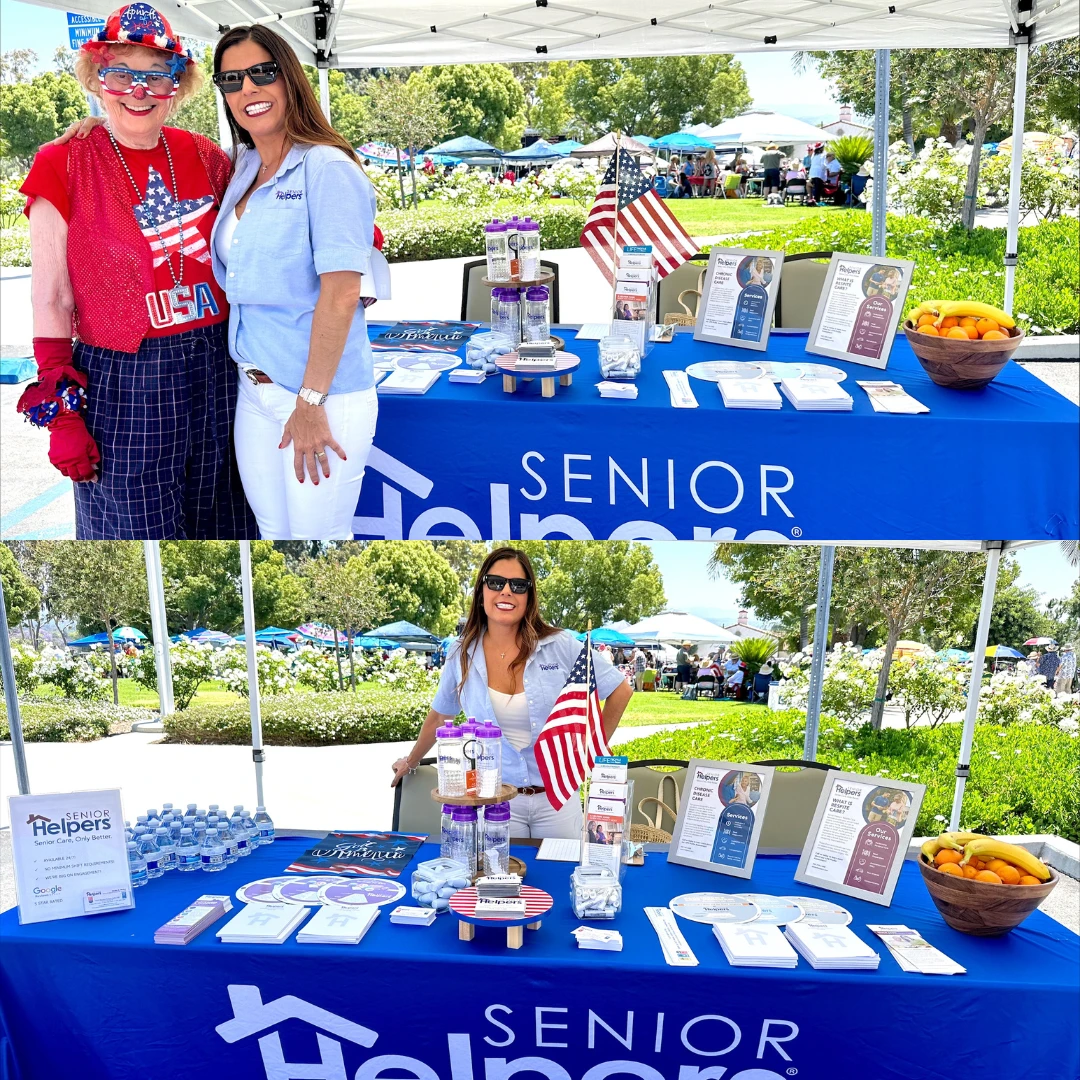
(605, 635)
(566, 146)
(537, 153)
(128, 633)
(914, 648)
(467, 149)
(1041, 641)
(205, 637)
(367, 642)
(682, 141)
(763, 128)
(381, 154)
(958, 656)
(1003, 652)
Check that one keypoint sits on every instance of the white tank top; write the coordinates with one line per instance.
(512, 713)
(223, 240)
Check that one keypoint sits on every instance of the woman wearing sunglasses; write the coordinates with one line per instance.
(292, 246)
(510, 666)
(139, 408)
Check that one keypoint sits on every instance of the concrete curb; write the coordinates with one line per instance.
(1049, 347)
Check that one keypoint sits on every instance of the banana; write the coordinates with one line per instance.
(962, 838)
(961, 308)
(988, 848)
(930, 849)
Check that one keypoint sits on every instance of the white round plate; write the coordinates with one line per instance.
(714, 907)
(350, 893)
(776, 371)
(715, 370)
(304, 889)
(822, 912)
(261, 891)
(774, 910)
(388, 361)
(428, 362)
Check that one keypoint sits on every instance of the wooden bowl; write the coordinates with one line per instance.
(962, 365)
(980, 907)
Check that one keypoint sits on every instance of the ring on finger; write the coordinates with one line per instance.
(320, 453)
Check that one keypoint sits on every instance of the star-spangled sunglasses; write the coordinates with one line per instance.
(496, 583)
(122, 80)
(229, 82)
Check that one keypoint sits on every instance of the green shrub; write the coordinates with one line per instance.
(73, 721)
(14, 247)
(1022, 777)
(372, 714)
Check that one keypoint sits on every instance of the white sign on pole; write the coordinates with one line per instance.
(70, 854)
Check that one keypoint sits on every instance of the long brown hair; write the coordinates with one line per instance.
(304, 121)
(531, 629)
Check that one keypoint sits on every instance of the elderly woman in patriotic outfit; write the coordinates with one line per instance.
(511, 667)
(139, 407)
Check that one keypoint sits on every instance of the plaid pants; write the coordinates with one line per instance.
(162, 419)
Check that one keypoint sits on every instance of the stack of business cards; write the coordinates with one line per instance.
(413, 916)
(498, 885)
(263, 924)
(468, 375)
(500, 908)
(749, 394)
(589, 937)
(831, 947)
(625, 390)
(753, 945)
(192, 921)
(408, 381)
(816, 395)
(336, 925)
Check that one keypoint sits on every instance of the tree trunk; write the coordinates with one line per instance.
(401, 185)
(352, 663)
(412, 173)
(950, 131)
(877, 712)
(804, 630)
(337, 657)
(971, 188)
(909, 135)
(112, 664)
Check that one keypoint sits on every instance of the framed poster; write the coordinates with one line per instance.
(860, 834)
(860, 308)
(738, 294)
(719, 822)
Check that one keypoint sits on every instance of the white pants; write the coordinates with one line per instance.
(532, 816)
(284, 508)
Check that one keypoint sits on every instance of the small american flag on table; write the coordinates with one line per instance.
(642, 219)
(573, 734)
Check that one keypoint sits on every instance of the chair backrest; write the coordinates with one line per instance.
(801, 283)
(414, 809)
(858, 184)
(732, 181)
(476, 297)
(793, 799)
(649, 782)
(679, 280)
(660, 186)
(761, 683)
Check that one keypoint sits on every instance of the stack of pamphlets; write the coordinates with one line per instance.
(831, 947)
(749, 394)
(751, 945)
(333, 924)
(263, 924)
(468, 375)
(192, 921)
(413, 916)
(408, 381)
(913, 952)
(890, 397)
(589, 937)
(816, 395)
(498, 885)
(610, 389)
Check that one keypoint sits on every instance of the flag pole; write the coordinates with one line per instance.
(583, 855)
(614, 253)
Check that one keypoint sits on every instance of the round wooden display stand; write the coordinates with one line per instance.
(519, 283)
(565, 364)
(463, 905)
(506, 793)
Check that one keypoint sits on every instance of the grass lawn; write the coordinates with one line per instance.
(212, 692)
(716, 217)
(649, 710)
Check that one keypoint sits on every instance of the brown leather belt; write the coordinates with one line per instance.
(534, 790)
(257, 376)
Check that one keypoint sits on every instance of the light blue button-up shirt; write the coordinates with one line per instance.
(316, 216)
(546, 672)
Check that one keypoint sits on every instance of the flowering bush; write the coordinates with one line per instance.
(1026, 699)
(1049, 183)
(14, 247)
(400, 672)
(927, 689)
(72, 721)
(12, 201)
(192, 664)
(24, 660)
(71, 673)
(275, 676)
(314, 668)
(849, 684)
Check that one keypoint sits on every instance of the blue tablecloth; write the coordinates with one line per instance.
(95, 999)
(996, 463)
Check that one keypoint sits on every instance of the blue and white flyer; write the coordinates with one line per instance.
(738, 294)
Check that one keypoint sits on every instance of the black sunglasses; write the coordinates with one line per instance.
(228, 82)
(496, 583)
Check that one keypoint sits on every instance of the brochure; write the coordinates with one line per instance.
(738, 294)
(433, 336)
(381, 853)
(913, 952)
(890, 397)
(720, 818)
(759, 945)
(860, 834)
(859, 309)
(831, 948)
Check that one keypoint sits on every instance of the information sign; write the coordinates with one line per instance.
(82, 28)
(738, 294)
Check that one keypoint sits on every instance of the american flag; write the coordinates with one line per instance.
(160, 213)
(573, 735)
(643, 219)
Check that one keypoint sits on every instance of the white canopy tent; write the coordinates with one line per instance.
(760, 127)
(675, 627)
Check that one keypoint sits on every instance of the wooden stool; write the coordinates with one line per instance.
(463, 905)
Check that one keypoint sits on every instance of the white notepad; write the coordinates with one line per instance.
(829, 947)
(559, 850)
(264, 924)
(408, 381)
(755, 945)
(334, 924)
(749, 394)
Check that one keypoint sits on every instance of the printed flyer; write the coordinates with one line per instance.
(425, 336)
(382, 853)
(738, 294)
(859, 836)
(860, 308)
(720, 817)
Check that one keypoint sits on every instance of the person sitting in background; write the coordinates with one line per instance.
(742, 167)
(734, 683)
(770, 162)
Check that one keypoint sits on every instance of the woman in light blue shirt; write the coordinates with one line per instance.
(292, 241)
(510, 666)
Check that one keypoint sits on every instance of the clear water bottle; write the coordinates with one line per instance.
(463, 836)
(228, 841)
(191, 810)
(141, 821)
(187, 851)
(513, 238)
(252, 828)
(175, 826)
(148, 849)
(243, 838)
(166, 849)
(498, 260)
(447, 820)
(166, 808)
(537, 322)
(214, 808)
(469, 749)
(129, 833)
(449, 750)
(152, 813)
(507, 315)
(529, 249)
(488, 759)
(136, 865)
(200, 829)
(212, 852)
(201, 815)
(266, 826)
(495, 842)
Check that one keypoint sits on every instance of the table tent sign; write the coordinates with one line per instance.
(70, 855)
(721, 815)
(860, 835)
(859, 308)
(738, 294)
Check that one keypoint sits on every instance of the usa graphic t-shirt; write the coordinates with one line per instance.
(167, 220)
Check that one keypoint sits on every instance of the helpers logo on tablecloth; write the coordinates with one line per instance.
(677, 1047)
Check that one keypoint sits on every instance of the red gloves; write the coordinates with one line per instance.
(72, 448)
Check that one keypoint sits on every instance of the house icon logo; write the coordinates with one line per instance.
(253, 1016)
(37, 817)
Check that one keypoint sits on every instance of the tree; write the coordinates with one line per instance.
(550, 113)
(464, 558)
(1015, 617)
(1053, 75)
(102, 583)
(64, 60)
(481, 100)
(348, 110)
(21, 598)
(1065, 613)
(35, 561)
(32, 113)
(417, 583)
(199, 112)
(16, 65)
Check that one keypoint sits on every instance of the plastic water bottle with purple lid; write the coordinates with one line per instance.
(488, 759)
(537, 322)
(498, 259)
(449, 748)
(463, 836)
(495, 844)
(529, 249)
(444, 836)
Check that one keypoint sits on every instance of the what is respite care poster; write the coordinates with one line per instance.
(720, 817)
(738, 296)
(859, 836)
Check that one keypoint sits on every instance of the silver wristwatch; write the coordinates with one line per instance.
(312, 397)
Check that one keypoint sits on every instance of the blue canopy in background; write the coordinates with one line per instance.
(465, 148)
(368, 642)
(205, 637)
(565, 146)
(958, 656)
(90, 639)
(605, 635)
(128, 633)
(645, 140)
(537, 153)
(681, 140)
(401, 631)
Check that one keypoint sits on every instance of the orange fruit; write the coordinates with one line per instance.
(994, 865)
(967, 320)
(969, 871)
(949, 323)
(924, 319)
(1027, 879)
(977, 863)
(994, 335)
(929, 328)
(957, 332)
(988, 876)
(971, 332)
(984, 326)
(951, 868)
(947, 855)
(1009, 875)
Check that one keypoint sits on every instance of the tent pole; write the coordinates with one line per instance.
(881, 152)
(11, 699)
(324, 92)
(978, 662)
(159, 626)
(253, 668)
(1012, 231)
(821, 643)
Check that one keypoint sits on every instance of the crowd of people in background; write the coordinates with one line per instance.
(1057, 670)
